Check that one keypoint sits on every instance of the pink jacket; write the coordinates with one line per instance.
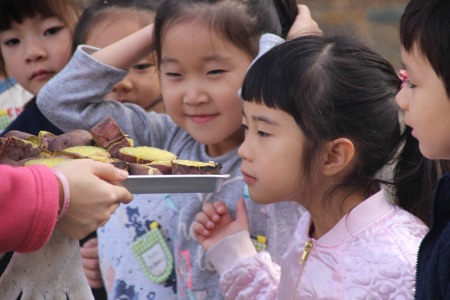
(369, 254)
(29, 203)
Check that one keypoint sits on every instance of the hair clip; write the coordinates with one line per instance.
(403, 74)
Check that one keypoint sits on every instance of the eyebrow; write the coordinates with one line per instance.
(209, 58)
(262, 119)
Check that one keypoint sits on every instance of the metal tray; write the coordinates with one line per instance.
(161, 184)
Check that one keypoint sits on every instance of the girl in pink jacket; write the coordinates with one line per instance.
(321, 123)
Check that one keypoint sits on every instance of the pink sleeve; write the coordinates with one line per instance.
(29, 203)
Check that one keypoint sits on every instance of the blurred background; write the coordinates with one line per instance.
(376, 21)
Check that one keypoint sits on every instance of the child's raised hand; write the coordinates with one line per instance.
(216, 223)
(89, 260)
(304, 24)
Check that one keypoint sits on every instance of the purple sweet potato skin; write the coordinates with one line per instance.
(15, 149)
(76, 137)
(107, 132)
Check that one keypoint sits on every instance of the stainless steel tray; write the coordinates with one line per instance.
(161, 184)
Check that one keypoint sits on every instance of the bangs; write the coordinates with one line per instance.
(16, 11)
(263, 82)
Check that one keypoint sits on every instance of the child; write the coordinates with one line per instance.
(425, 99)
(319, 112)
(104, 23)
(100, 25)
(203, 51)
(35, 41)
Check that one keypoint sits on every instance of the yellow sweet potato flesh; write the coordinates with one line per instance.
(88, 151)
(49, 161)
(180, 166)
(144, 154)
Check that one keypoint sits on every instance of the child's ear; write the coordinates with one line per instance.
(339, 153)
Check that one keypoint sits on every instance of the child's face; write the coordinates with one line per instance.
(36, 50)
(141, 85)
(426, 105)
(200, 77)
(271, 154)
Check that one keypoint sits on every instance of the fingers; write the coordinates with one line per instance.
(108, 172)
(304, 24)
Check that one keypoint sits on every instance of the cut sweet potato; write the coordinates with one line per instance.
(22, 135)
(107, 132)
(115, 147)
(195, 167)
(48, 161)
(138, 169)
(165, 166)
(88, 151)
(143, 154)
(76, 137)
(44, 139)
(15, 149)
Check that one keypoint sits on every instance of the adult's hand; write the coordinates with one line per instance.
(95, 193)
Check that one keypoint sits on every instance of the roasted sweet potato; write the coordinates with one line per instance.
(138, 169)
(88, 151)
(76, 137)
(21, 135)
(107, 132)
(115, 147)
(143, 154)
(15, 149)
(44, 139)
(195, 167)
(48, 161)
(165, 166)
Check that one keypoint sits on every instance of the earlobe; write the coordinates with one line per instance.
(339, 153)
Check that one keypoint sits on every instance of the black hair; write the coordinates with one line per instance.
(240, 22)
(15, 11)
(101, 9)
(333, 87)
(427, 25)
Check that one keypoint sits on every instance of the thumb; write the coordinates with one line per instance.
(108, 172)
(241, 213)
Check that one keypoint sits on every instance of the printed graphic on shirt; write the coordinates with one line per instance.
(153, 254)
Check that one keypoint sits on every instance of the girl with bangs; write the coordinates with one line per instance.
(35, 44)
(203, 50)
(319, 111)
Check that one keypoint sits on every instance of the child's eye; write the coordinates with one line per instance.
(263, 134)
(171, 74)
(216, 72)
(410, 84)
(141, 67)
(11, 42)
(53, 30)
(244, 127)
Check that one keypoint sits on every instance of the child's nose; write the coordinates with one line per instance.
(124, 85)
(195, 96)
(35, 52)
(244, 150)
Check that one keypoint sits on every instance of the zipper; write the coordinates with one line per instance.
(306, 251)
(302, 260)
